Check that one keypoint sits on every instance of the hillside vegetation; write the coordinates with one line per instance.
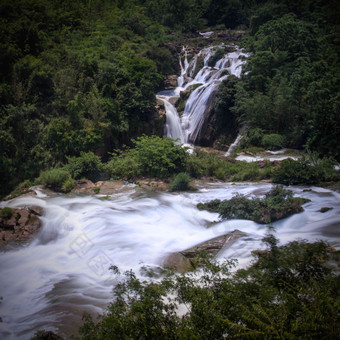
(81, 76)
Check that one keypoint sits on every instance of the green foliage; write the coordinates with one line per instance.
(226, 123)
(159, 157)
(291, 82)
(277, 203)
(305, 171)
(212, 165)
(96, 190)
(152, 156)
(273, 141)
(6, 212)
(184, 15)
(78, 78)
(68, 185)
(253, 138)
(88, 165)
(216, 57)
(123, 166)
(286, 293)
(180, 182)
(229, 14)
(55, 179)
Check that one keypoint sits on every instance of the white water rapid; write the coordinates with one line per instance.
(207, 79)
(49, 282)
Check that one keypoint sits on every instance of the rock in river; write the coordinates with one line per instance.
(185, 260)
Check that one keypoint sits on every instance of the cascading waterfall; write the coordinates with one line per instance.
(187, 128)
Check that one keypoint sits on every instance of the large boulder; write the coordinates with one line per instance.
(186, 260)
(21, 225)
(207, 133)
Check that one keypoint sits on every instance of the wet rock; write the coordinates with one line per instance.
(178, 262)
(153, 184)
(207, 134)
(170, 82)
(21, 226)
(325, 209)
(110, 187)
(46, 335)
(173, 100)
(186, 260)
(83, 186)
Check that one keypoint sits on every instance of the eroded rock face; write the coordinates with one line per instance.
(185, 260)
(207, 134)
(170, 82)
(21, 226)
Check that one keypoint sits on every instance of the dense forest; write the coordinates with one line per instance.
(81, 76)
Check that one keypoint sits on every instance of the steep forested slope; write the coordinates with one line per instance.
(292, 87)
(76, 76)
(81, 76)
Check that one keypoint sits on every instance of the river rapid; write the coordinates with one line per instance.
(49, 282)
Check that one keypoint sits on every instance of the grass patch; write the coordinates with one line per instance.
(96, 190)
(213, 165)
(6, 212)
(56, 179)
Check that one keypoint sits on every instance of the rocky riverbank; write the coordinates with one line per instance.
(19, 225)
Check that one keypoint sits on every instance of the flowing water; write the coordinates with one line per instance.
(49, 282)
(207, 79)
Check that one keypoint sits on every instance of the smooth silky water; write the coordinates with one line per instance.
(64, 271)
(186, 128)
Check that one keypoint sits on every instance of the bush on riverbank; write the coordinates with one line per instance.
(213, 165)
(180, 182)
(56, 179)
(289, 292)
(277, 203)
(87, 165)
(308, 170)
(152, 156)
(6, 212)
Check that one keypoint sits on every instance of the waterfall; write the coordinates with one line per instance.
(234, 145)
(200, 102)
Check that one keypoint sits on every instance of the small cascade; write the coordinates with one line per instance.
(64, 271)
(200, 102)
(234, 145)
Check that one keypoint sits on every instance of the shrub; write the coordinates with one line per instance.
(180, 182)
(24, 185)
(123, 166)
(246, 172)
(68, 185)
(152, 156)
(305, 171)
(288, 292)
(208, 164)
(6, 212)
(160, 157)
(253, 138)
(277, 203)
(273, 141)
(54, 178)
(194, 166)
(88, 165)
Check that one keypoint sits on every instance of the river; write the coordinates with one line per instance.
(49, 282)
